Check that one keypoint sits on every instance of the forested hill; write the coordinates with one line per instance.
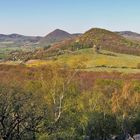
(109, 41)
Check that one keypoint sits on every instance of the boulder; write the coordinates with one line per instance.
(136, 137)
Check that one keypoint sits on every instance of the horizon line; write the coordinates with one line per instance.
(16, 33)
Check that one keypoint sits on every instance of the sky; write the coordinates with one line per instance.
(39, 17)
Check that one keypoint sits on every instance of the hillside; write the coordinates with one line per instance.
(110, 41)
(106, 61)
(55, 37)
(88, 59)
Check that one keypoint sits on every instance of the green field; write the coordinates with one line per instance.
(4, 51)
(106, 61)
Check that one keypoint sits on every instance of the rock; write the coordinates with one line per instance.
(136, 137)
(124, 137)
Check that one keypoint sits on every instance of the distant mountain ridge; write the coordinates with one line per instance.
(17, 38)
(130, 35)
(58, 36)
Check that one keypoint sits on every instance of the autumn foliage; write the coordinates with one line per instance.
(53, 103)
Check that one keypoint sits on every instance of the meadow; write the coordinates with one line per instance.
(105, 61)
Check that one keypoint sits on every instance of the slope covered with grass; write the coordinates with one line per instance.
(110, 41)
(105, 61)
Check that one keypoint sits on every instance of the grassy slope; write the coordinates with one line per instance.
(96, 62)
(110, 41)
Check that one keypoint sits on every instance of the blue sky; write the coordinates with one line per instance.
(39, 17)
